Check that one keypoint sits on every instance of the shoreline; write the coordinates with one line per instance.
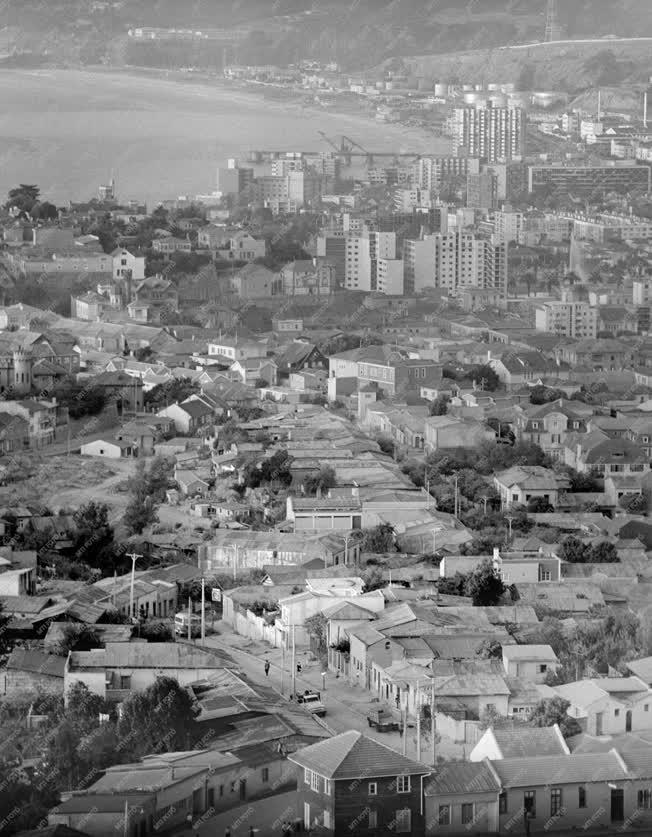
(247, 93)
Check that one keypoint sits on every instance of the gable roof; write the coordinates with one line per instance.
(351, 755)
(566, 769)
(22, 659)
(461, 776)
(523, 741)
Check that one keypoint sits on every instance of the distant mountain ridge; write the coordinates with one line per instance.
(356, 33)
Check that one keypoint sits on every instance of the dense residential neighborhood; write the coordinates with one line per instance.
(325, 498)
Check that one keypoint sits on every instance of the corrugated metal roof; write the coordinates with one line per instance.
(553, 770)
(462, 777)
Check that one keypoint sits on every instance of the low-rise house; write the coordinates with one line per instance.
(566, 597)
(641, 668)
(546, 425)
(522, 483)
(609, 705)
(530, 662)
(190, 416)
(448, 432)
(119, 668)
(597, 452)
(519, 741)
(108, 448)
(353, 779)
(308, 514)
(31, 670)
(462, 798)
(300, 356)
(516, 369)
(191, 483)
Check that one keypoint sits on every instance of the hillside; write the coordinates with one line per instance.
(356, 33)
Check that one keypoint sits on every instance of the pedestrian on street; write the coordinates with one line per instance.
(298, 668)
(267, 668)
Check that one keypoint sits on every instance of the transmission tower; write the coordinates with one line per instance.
(553, 29)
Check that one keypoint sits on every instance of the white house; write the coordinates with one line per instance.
(109, 449)
(126, 265)
(526, 742)
(530, 662)
(608, 705)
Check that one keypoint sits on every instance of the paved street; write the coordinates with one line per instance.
(346, 705)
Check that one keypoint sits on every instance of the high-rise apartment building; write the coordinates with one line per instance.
(482, 191)
(567, 319)
(429, 172)
(492, 133)
(363, 254)
(454, 260)
(232, 179)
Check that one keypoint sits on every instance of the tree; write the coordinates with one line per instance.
(321, 481)
(439, 406)
(156, 631)
(373, 579)
(94, 535)
(80, 399)
(484, 586)
(553, 711)
(158, 719)
(573, 550)
(386, 445)
(23, 197)
(539, 505)
(379, 539)
(77, 637)
(261, 383)
(317, 627)
(604, 552)
(147, 488)
(170, 392)
(541, 394)
(5, 642)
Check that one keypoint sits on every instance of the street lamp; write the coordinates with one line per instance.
(134, 557)
(323, 681)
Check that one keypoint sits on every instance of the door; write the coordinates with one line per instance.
(243, 789)
(617, 805)
(306, 815)
(598, 722)
(628, 721)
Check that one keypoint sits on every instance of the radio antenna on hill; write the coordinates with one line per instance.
(553, 30)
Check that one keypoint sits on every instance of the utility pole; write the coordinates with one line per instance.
(189, 619)
(456, 498)
(235, 561)
(484, 501)
(294, 667)
(405, 729)
(134, 557)
(283, 643)
(434, 541)
(509, 521)
(433, 723)
(346, 549)
(203, 614)
(418, 710)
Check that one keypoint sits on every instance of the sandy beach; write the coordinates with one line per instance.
(161, 135)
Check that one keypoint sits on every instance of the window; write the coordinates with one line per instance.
(211, 797)
(232, 787)
(314, 782)
(444, 817)
(502, 803)
(125, 681)
(645, 799)
(306, 775)
(543, 669)
(327, 787)
(327, 819)
(404, 821)
(616, 712)
(581, 797)
(468, 813)
(646, 707)
(373, 788)
(529, 802)
(403, 784)
(555, 801)
(373, 819)
(265, 774)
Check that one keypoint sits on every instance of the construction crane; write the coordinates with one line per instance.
(346, 147)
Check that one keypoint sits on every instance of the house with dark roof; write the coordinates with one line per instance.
(527, 367)
(519, 741)
(300, 356)
(547, 424)
(353, 784)
(522, 483)
(462, 798)
(31, 670)
(189, 416)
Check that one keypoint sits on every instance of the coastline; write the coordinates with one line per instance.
(274, 98)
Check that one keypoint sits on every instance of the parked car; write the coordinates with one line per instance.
(312, 702)
(384, 720)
